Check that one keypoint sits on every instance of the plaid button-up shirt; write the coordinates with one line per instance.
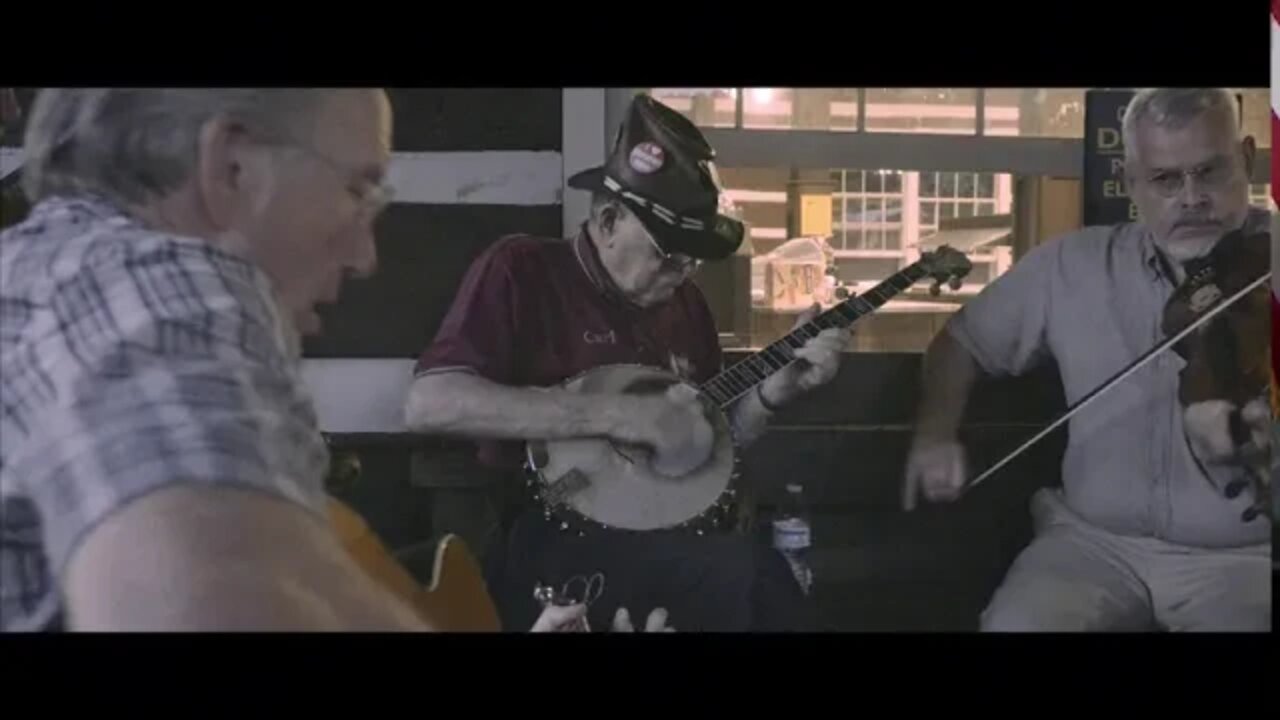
(132, 360)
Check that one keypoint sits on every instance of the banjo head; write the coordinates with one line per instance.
(613, 485)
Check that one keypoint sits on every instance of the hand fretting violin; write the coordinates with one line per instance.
(1228, 357)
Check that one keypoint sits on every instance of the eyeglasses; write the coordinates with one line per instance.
(371, 197)
(683, 263)
(1216, 175)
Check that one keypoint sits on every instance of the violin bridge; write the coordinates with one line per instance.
(567, 484)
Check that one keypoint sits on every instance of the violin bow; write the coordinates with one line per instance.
(1132, 368)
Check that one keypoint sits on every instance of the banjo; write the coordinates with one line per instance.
(592, 483)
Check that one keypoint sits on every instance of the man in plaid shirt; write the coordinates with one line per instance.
(160, 462)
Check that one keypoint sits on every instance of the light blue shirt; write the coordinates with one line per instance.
(1093, 302)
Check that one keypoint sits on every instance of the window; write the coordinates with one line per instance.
(761, 194)
(766, 108)
(706, 107)
(880, 218)
(946, 195)
(867, 212)
(1034, 112)
(800, 108)
(931, 110)
(1260, 195)
(1255, 116)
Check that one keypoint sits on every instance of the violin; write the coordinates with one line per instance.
(1228, 358)
(1217, 320)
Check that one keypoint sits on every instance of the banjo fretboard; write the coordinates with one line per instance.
(740, 378)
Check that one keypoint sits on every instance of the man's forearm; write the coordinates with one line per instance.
(461, 403)
(949, 374)
(231, 599)
(209, 558)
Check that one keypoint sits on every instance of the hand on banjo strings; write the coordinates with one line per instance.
(817, 362)
(674, 426)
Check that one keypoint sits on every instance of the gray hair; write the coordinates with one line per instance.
(1175, 107)
(132, 145)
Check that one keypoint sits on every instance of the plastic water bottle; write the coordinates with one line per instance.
(792, 535)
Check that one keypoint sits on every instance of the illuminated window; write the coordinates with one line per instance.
(761, 194)
(946, 195)
(800, 108)
(880, 218)
(922, 110)
(1034, 112)
(706, 107)
(1255, 117)
(1260, 196)
(867, 211)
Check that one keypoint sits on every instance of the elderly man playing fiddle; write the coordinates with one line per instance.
(533, 312)
(1144, 532)
(160, 463)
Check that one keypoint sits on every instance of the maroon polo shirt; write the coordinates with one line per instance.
(535, 311)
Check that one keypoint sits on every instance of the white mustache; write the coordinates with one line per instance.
(1196, 222)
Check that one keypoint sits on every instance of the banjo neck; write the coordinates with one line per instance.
(742, 377)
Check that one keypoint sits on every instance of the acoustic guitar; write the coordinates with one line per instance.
(591, 483)
(457, 600)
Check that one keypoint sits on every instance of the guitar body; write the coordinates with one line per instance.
(595, 482)
(456, 601)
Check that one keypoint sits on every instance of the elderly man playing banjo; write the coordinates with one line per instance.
(533, 313)
(1144, 532)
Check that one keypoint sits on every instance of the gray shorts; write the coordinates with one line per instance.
(1077, 577)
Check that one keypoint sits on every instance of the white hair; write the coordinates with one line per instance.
(132, 145)
(1174, 108)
